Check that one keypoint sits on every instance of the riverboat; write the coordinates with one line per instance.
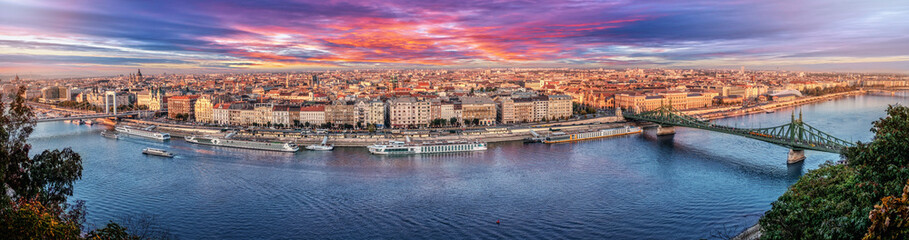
(157, 152)
(399, 147)
(146, 133)
(236, 143)
(110, 135)
(558, 137)
(324, 146)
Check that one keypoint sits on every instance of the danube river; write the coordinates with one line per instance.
(687, 186)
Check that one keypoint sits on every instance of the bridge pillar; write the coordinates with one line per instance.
(667, 130)
(796, 156)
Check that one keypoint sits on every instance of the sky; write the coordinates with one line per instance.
(97, 37)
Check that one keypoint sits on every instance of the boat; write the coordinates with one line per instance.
(321, 147)
(110, 135)
(157, 152)
(236, 143)
(399, 147)
(146, 133)
(558, 137)
(89, 122)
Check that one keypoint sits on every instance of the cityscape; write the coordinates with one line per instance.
(418, 120)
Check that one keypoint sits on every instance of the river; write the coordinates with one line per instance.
(687, 186)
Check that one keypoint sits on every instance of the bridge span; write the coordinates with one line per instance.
(796, 135)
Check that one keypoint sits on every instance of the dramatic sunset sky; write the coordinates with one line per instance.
(93, 37)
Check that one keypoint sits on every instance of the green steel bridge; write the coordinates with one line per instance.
(795, 135)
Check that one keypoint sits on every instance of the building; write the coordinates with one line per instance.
(408, 112)
(505, 110)
(341, 113)
(312, 115)
(371, 112)
(182, 106)
(480, 109)
(55, 94)
(153, 99)
(559, 107)
(203, 109)
(523, 110)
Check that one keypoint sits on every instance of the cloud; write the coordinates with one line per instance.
(214, 34)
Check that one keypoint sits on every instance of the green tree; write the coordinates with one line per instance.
(453, 121)
(834, 201)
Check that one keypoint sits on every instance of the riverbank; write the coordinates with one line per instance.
(489, 134)
(711, 114)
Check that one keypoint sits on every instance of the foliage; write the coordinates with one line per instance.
(30, 219)
(818, 91)
(890, 219)
(834, 201)
(112, 231)
(33, 203)
(821, 205)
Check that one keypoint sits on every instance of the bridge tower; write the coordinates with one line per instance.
(113, 95)
(797, 133)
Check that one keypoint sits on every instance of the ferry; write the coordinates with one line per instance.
(236, 143)
(110, 135)
(321, 147)
(398, 147)
(147, 133)
(558, 137)
(157, 152)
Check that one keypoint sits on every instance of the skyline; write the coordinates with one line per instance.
(102, 37)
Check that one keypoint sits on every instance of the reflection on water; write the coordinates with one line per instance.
(683, 186)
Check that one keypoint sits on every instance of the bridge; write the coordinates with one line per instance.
(795, 135)
(91, 116)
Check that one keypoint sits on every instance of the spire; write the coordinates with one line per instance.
(17, 78)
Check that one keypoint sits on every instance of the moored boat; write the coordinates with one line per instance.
(236, 143)
(157, 152)
(398, 147)
(324, 146)
(558, 137)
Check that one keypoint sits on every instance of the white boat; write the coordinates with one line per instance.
(321, 147)
(110, 135)
(398, 147)
(236, 143)
(157, 152)
(147, 133)
(558, 137)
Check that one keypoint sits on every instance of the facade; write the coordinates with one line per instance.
(341, 113)
(55, 94)
(314, 115)
(559, 107)
(153, 99)
(408, 112)
(523, 110)
(203, 109)
(481, 108)
(678, 100)
(179, 105)
(505, 110)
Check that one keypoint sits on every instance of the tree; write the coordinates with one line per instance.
(33, 190)
(890, 219)
(453, 121)
(834, 201)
